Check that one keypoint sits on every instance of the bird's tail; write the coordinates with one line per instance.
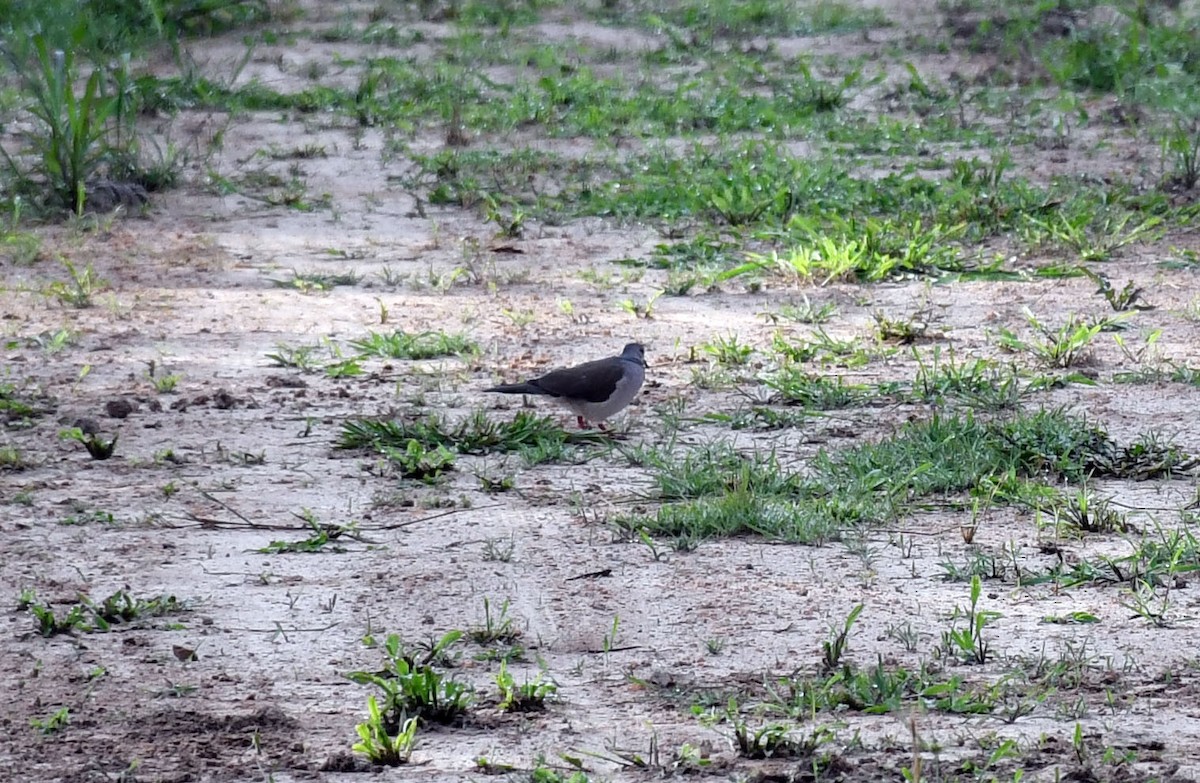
(515, 388)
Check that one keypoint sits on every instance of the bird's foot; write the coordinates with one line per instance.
(582, 423)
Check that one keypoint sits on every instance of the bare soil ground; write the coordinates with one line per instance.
(191, 288)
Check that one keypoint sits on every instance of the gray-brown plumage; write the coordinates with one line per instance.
(593, 391)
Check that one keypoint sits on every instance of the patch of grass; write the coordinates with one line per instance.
(416, 690)
(1090, 230)
(794, 385)
(1063, 347)
(720, 19)
(88, 616)
(476, 434)
(981, 384)
(80, 287)
(822, 347)
(732, 494)
(424, 345)
(308, 282)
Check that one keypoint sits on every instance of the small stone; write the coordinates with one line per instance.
(119, 408)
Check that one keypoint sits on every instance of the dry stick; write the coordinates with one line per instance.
(220, 523)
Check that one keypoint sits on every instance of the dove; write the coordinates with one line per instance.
(593, 391)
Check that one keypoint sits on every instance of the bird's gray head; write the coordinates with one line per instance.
(634, 352)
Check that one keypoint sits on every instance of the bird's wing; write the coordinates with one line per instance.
(591, 382)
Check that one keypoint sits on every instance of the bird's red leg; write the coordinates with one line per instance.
(582, 423)
(601, 426)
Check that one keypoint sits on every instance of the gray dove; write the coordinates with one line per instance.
(593, 391)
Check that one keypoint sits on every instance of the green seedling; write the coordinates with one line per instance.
(97, 446)
(727, 350)
(497, 627)
(86, 616)
(512, 226)
(423, 345)
(300, 357)
(834, 647)
(1063, 347)
(415, 461)
(1120, 301)
(967, 643)
(641, 309)
(81, 286)
(413, 689)
(164, 384)
(803, 312)
(319, 540)
(530, 696)
(1181, 146)
(52, 723)
(380, 747)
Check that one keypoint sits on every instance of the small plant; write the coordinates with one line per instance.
(1089, 514)
(499, 550)
(164, 384)
(378, 745)
(97, 446)
(1182, 147)
(81, 286)
(54, 722)
(423, 345)
(834, 647)
(967, 643)
(1063, 347)
(512, 226)
(415, 689)
(494, 485)
(72, 140)
(415, 461)
(905, 332)
(804, 312)
(497, 627)
(641, 309)
(1120, 301)
(527, 697)
(301, 356)
(53, 343)
(727, 350)
(322, 536)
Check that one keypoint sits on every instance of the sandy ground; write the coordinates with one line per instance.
(191, 288)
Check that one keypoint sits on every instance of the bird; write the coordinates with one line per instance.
(593, 391)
